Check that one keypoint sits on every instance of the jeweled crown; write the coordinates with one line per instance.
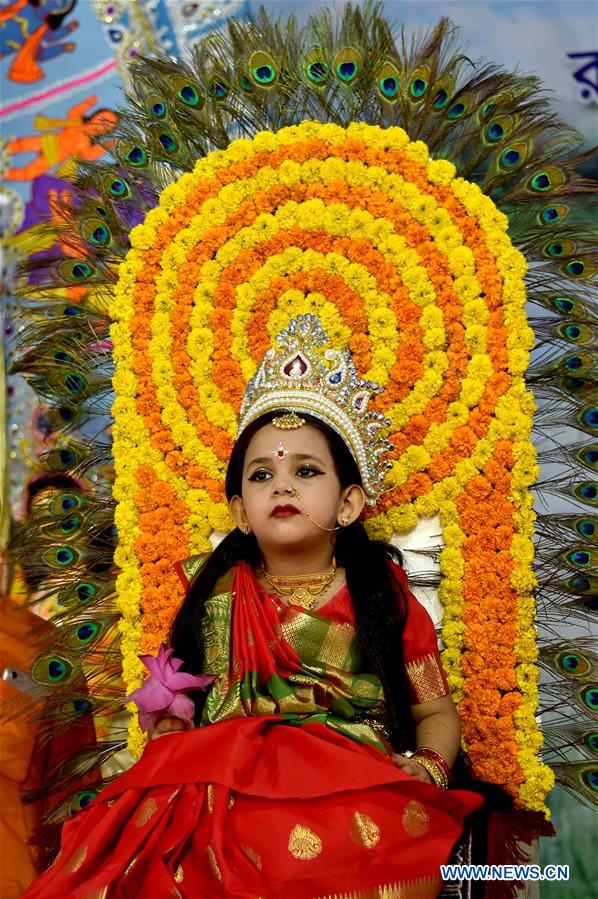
(305, 375)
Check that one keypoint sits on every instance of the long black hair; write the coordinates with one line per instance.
(379, 603)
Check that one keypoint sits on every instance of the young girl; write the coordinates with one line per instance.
(295, 781)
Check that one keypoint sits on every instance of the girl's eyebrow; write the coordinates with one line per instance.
(261, 460)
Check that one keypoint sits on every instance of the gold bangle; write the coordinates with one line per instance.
(435, 771)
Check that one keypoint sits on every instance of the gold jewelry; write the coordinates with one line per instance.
(288, 422)
(295, 492)
(435, 771)
(302, 589)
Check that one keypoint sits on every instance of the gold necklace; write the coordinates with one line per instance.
(302, 589)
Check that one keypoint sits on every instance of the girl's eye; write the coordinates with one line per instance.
(260, 475)
(306, 471)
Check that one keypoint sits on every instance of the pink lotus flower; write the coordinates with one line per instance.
(164, 692)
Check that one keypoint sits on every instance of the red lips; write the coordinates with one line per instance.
(284, 511)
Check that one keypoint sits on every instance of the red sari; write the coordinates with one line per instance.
(287, 788)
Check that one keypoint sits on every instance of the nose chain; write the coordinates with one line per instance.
(296, 493)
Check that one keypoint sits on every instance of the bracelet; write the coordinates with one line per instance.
(426, 752)
(435, 771)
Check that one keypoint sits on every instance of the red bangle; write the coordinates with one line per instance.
(425, 752)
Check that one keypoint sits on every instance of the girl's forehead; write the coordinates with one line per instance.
(305, 439)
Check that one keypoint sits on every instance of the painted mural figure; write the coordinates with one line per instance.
(33, 31)
(62, 139)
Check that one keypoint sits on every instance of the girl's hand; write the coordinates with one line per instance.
(168, 725)
(412, 768)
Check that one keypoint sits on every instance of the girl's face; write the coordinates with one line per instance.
(278, 463)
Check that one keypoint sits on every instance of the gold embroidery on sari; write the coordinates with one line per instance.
(364, 831)
(416, 820)
(130, 866)
(100, 893)
(210, 797)
(336, 647)
(213, 863)
(304, 843)
(426, 678)
(173, 795)
(76, 859)
(231, 801)
(179, 874)
(147, 811)
(215, 633)
(253, 856)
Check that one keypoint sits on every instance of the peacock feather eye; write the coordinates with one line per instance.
(82, 706)
(66, 413)
(218, 89)
(553, 213)
(585, 527)
(51, 669)
(71, 525)
(57, 669)
(556, 249)
(136, 156)
(588, 456)
(156, 106)
(101, 210)
(457, 110)
(589, 697)
(574, 332)
(510, 158)
(245, 84)
(591, 740)
(441, 99)
(580, 363)
(117, 187)
(587, 492)
(87, 631)
(576, 268)
(442, 90)
(168, 141)
(263, 69)
(580, 557)
(85, 592)
(187, 93)
(317, 72)
(418, 87)
(498, 128)
(576, 385)
(62, 356)
(64, 556)
(495, 132)
(75, 382)
(387, 82)
(546, 179)
(75, 271)
(100, 235)
(315, 68)
(81, 800)
(348, 64)
(590, 778)
(65, 457)
(574, 664)
(580, 584)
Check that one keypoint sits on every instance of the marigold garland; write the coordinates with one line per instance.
(412, 267)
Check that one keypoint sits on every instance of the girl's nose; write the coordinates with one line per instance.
(281, 485)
